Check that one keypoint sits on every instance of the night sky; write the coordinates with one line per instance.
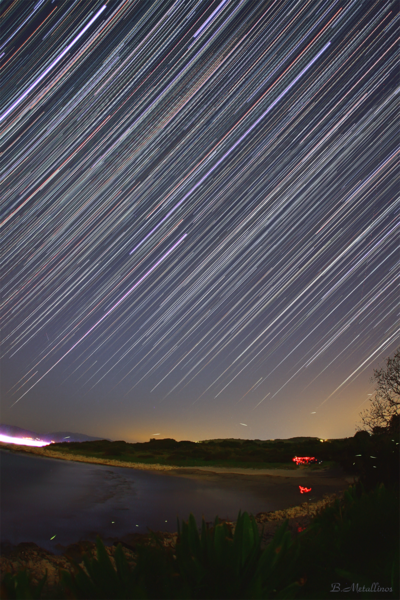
(199, 215)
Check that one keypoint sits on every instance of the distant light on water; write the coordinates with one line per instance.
(7, 439)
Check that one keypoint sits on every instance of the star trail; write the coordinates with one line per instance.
(200, 214)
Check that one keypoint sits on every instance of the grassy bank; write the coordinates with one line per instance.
(375, 458)
(251, 454)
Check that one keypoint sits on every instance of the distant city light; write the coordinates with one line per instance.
(7, 439)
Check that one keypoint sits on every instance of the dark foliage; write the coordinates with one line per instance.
(355, 541)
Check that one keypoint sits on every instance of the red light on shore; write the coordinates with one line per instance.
(304, 490)
(304, 460)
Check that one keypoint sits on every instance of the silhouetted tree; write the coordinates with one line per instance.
(362, 437)
(383, 414)
(394, 425)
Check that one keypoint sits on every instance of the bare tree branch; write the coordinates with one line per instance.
(384, 410)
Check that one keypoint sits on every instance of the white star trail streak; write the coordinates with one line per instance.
(264, 135)
(50, 67)
(108, 312)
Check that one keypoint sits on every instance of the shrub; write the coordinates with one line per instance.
(353, 541)
(187, 444)
(112, 452)
(145, 456)
(230, 444)
(207, 456)
(177, 456)
(362, 437)
(163, 444)
(222, 455)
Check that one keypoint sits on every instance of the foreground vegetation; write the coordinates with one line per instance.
(349, 547)
(218, 563)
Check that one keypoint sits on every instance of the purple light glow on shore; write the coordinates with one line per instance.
(7, 439)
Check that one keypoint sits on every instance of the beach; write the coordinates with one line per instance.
(300, 471)
(45, 492)
(77, 497)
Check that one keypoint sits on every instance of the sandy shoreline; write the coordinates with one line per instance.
(46, 452)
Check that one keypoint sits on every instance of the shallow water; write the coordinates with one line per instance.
(42, 498)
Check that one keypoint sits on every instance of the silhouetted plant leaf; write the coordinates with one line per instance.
(19, 586)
